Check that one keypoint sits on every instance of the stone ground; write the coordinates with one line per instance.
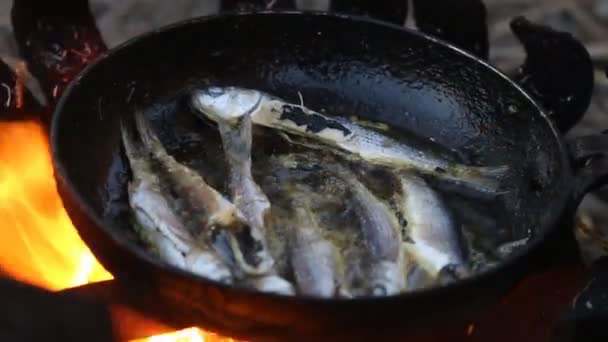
(586, 19)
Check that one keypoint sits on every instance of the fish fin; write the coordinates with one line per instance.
(146, 132)
(486, 179)
(287, 138)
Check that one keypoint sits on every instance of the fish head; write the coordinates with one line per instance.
(225, 104)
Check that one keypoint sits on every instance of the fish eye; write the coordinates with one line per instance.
(215, 91)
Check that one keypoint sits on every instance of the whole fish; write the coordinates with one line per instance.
(247, 194)
(381, 233)
(383, 258)
(159, 224)
(208, 208)
(380, 226)
(235, 129)
(343, 135)
(314, 246)
(313, 258)
(433, 237)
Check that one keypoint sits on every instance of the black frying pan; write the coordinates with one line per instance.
(344, 64)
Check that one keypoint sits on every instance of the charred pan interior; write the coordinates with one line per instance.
(408, 86)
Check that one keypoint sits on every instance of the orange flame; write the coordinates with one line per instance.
(187, 335)
(39, 244)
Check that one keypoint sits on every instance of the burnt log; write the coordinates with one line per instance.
(557, 72)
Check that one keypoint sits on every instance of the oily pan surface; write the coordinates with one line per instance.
(340, 66)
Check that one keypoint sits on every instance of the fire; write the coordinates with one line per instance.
(187, 335)
(39, 244)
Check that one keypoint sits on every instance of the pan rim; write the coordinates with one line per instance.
(61, 172)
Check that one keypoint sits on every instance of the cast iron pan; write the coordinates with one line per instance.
(343, 64)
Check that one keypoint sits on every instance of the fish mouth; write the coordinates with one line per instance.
(215, 91)
(204, 109)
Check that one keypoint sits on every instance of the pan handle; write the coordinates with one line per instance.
(558, 71)
(586, 318)
(589, 155)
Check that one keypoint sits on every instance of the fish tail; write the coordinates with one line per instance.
(146, 132)
(487, 179)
